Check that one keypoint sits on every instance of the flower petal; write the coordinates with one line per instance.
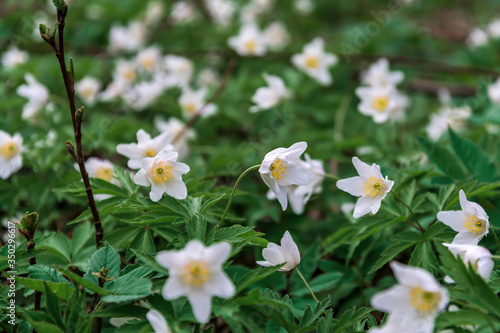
(201, 305)
(394, 299)
(354, 185)
(291, 252)
(363, 206)
(453, 219)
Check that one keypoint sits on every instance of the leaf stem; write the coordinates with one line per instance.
(418, 226)
(234, 191)
(327, 175)
(307, 284)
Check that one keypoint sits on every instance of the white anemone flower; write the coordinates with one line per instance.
(379, 75)
(102, 169)
(477, 38)
(249, 42)
(447, 116)
(155, 12)
(314, 61)
(175, 127)
(208, 77)
(158, 323)
(494, 28)
(378, 102)
(221, 11)
(494, 92)
(149, 59)
(179, 71)
(196, 272)
(143, 94)
(183, 12)
(478, 256)
(14, 57)
(10, 154)
(370, 186)
(413, 303)
(279, 171)
(270, 96)
(164, 174)
(145, 147)
(304, 7)
(125, 71)
(471, 222)
(130, 38)
(193, 101)
(87, 89)
(287, 253)
(37, 95)
(276, 36)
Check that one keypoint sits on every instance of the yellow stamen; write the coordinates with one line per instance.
(312, 62)
(190, 108)
(148, 63)
(278, 169)
(195, 273)
(474, 224)
(380, 103)
(424, 301)
(251, 45)
(129, 74)
(9, 149)
(150, 153)
(161, 172)
(374, 186)
(104, 173)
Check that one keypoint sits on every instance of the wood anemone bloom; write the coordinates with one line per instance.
(287, 253)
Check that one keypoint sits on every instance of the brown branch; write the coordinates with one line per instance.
(76, 116)
(222, 85)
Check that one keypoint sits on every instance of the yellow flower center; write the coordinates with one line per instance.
(374, 186)
(474, 224)
(129, 74)
(195, 273)
(380, 103)
(148, 63)
(190, 108)
(251, 45)
(150, 153)
(87, 93)
(312, 62)
(9, 149)
(424, 301)
(278, 169)
(161, 172)
(104, 173)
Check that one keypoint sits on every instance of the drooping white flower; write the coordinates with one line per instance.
(179, 71)
(314, 61)
(413, 303)
(287, 253)
(379, 102)
(164, 174)
(276, 36)
(471, 222)
(145, 147)
(270, 96)
(193, 101)
(304, 7)
(477, 38)
(176, 127)
(14, 57)
(182, 12)
(221, 11)
(494, 92)
(87, 89)
(370, 186)
(379, 75)
(157, 321)
(208, 78)
(478, 256)
(279, 171)
(447, 116)
(149, 59)
(249, 42)
(130, 38)
(143, 95)
(196, 272)
(36, 93)
(10, 154)
(494, 28)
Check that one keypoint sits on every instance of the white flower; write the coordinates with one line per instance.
(154, 13)
(149, 59)
(193, 101)
(276, 36)
(208, 78)
(287, 253)
(125, 71)
(114, 90)
(249, 41)
(102, 169)
(494, 92)
(143, 95)
(183, 12)
(494, 28)
(10, 154)
(220, 10)
(174, 127)
(157, 321)
(196, 272)
(471, 222)
(130, 38)
(413, 303)
(447, 116)
(145, 147)
(179, 71)
(164, 174)
(379, 102)
(304, 7)
(36, 93)
(379, 75)
(314, 61)
(14, 57)
(87, 89)
(478, 256)
(268, 97)
(477, 38)
(370, 186)
(279, 171)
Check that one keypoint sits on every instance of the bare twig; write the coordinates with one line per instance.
(76, 115)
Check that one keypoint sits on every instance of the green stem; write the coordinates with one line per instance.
(419, 227)
(495, 257)
(327, 175)
(496, 239)
(233, 191)
(307, 285)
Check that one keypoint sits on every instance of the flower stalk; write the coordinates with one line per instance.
(307, 284)
(417, 225)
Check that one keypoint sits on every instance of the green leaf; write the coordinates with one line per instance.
(312, 313)
(79, 280)
(52, 306)
(107, 257)
(143, 241)
(41, 322)
(423, 256)
(255, 275)
(349, 318)
(44, 273)
(61, 290)
(443, 158)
